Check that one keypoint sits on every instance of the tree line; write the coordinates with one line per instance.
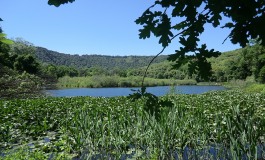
(87, 61)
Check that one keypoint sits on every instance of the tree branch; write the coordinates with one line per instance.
(145, 73)
(226, 38)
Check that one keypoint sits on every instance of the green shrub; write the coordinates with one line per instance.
(255, 88)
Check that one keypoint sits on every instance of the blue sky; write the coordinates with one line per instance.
(91, 27)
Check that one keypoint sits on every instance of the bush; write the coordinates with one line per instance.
(20, 86)
(261, 78)
(255, 88)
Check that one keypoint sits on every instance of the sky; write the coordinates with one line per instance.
(99, 27)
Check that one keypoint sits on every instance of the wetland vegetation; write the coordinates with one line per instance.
(221, 124)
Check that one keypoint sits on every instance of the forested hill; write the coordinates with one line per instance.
(110, 62)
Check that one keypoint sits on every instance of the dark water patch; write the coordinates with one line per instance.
(211, 152)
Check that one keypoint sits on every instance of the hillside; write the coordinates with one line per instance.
(86, 61)
(236, 64)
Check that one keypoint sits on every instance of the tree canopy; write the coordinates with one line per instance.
(185, 19)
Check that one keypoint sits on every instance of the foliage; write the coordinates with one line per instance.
(261, 75)
(28, 120)
(20, 72)
(164, 18)
(3, 38)
(26, 63)
(59, 71)
(162, 70)
(57, 3)
(153, 105)
(22, 57)
(98, 61)
(98, 81)
(21, 46)
(23, 153)
(215, 125)
(255, 88)
(239, 64)
(4, 56)
(13, 85)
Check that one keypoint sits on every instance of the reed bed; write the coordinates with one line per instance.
(214, 125)
(100, 81)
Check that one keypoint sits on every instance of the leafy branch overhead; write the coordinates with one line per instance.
(186, 20)
(4, 40)
(57, 3)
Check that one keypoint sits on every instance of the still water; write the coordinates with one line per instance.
(113, 92)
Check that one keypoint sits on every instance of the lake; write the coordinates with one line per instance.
(113, 92)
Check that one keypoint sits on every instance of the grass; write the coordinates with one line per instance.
(248, 85)
(255, 88)
(215, 125)
(116, 81)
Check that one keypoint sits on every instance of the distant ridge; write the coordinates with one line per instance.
(85, 61)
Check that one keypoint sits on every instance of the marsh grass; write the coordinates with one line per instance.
(116, 81)
(255, 88)
(214, 125)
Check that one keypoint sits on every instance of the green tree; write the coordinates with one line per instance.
(20, 46)
(258, 67)
(51, 70)
(250, 62)
(4, 54)
(26, 62)
(3, 38)
(72, 72)
(4, 48)
(17, 64)
(261, 75)
(22, 57)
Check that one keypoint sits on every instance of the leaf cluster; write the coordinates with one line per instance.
(186, 20)
(57, 3)
(153, 105)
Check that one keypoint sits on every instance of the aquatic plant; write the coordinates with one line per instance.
(214, 125)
